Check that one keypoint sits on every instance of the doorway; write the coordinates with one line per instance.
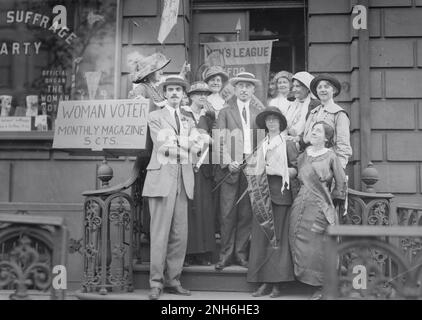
(217, 21)
(287, 27)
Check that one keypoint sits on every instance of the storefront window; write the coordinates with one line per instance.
(52, 51)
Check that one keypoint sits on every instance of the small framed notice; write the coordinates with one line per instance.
(15, 123)
(108, 126)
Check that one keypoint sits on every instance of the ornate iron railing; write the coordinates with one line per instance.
(30, 246)
(366, 276)
(368, 209)
(112, 233)
(410, 215)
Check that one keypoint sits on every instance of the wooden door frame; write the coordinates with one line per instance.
(249, 5)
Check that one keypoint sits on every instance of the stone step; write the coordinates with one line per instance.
(145, 250)
(206, 278)
(142, 294)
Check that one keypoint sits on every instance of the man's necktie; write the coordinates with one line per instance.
(244, 114)
(177, 121)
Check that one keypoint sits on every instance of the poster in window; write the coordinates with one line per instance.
(56, 50)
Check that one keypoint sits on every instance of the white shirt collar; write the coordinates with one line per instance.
(241, 104)
(173, 110)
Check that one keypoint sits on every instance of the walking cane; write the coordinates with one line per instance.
(244, 163)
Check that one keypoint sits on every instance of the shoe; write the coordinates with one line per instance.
(262, 290)
(178, 290)
(154, 294)
(275, 293)
(220, 265)
(242, 263)
(317, 295)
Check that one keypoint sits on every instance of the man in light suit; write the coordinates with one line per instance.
(236, 122)
(168, 185)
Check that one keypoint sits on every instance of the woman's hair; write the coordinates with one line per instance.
(335, 91)
(328, 131)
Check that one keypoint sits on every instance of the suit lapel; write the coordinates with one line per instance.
(169, 118)
(236, 115)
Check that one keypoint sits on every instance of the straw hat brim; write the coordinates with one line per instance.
(208, 91)
(235, 80)
(260, 118)
(140, 75)
(175, 82)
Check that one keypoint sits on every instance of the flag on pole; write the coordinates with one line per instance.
(168, 18)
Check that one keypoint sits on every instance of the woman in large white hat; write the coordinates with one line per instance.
(298, 110)
(146, 75)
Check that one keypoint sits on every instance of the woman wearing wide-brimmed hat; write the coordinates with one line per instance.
(271, 266)
(326, 88)
(299, 109)
(146, 74)
(283, 80)
(201, 210)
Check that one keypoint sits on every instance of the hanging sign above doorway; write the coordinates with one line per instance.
(241, 56)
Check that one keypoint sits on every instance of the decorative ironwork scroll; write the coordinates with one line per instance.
(387, 273)
(410, 215)
(367, 209)
(30, 246)
(107, 242)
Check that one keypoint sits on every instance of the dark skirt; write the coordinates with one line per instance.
(201, 216)
(268, 264)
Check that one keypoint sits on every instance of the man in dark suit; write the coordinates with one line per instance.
(236, 122)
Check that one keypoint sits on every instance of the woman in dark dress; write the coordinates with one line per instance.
(270, 265)
(201, 210)
(314, 207)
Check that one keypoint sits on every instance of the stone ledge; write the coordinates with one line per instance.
(142, 294)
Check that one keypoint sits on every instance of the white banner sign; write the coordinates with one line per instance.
(168, 18)
(101, 124)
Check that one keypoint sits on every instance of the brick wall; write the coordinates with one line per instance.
(141, 22)
(396, 84)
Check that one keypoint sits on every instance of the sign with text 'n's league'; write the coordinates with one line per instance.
(109, 127)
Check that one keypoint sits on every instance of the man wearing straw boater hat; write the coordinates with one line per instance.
(236, 120)
(168, 185)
